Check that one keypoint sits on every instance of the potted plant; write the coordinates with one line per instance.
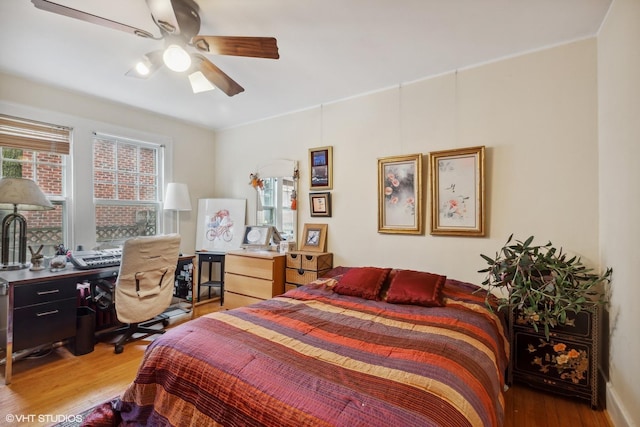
(542, 283)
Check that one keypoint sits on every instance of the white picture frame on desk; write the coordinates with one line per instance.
(257, 237)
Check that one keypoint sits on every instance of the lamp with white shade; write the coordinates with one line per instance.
(177, 199)
(18, 194)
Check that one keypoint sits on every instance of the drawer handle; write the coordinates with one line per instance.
(300, 271)
(53, 291)
(309, 257)
(47, 313)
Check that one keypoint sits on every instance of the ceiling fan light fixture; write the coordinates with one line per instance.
(143, 68)
(176, 58)
(199, 83)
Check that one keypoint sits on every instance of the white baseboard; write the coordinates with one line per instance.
(615, 409)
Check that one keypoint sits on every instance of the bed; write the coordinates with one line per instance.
(350, 349)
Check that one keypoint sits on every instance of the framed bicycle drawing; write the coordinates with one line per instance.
(220, 224)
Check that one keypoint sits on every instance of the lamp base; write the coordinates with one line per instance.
(14, 266)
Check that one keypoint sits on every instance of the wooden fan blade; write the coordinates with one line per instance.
(255, 47)
(84, 16)
(216, 76)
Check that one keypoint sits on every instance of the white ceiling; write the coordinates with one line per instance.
(329, 49)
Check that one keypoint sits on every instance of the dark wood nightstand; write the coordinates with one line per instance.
(567, 363)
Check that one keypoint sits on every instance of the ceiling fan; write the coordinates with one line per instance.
(179, 23)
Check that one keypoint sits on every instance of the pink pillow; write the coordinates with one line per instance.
(363, 282)
(416, 287)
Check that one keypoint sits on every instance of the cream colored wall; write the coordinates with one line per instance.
(619, 144)
(535, 113)
(189, 149)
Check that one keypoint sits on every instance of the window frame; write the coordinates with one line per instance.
(37, 137)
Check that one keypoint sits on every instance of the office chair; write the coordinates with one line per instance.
(144, 287)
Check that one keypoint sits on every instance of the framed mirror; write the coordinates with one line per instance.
(275, 205)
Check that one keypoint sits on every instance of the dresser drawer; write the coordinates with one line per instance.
(554, 362)
(310, 260)
(251, 286)
(250, 266)
(233, 300)
(578, 324)
(302, 277)
(38, 293)
(43, 323)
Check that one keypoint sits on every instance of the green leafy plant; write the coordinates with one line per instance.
(542, 283)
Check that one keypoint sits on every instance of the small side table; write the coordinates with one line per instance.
(211, 258)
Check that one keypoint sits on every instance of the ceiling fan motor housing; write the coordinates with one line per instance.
(186, 12)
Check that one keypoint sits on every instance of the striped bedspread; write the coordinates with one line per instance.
(315, 358)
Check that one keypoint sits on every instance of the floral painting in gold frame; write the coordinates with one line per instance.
(314, 238)
(400, 194)
(457, 192)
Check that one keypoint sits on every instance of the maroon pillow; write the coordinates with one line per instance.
(363, 282)
(416, 287)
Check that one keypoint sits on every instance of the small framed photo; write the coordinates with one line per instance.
(457, 192)
(320, 204)
(257, 236)
(321, 167)
(314, 238)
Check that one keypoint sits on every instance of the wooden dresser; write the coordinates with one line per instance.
(305, 267)
(252, 276)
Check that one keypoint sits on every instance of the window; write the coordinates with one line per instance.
(126, 188)
(38, 151)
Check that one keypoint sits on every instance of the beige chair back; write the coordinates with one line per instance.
(145, 284)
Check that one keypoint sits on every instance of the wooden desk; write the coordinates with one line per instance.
(38, 307)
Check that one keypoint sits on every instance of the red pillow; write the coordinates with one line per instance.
(416, 287)
(363, 282)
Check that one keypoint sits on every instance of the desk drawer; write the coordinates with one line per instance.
(250, 266)
(38, 293)
(43, 323)
(202, 257)
(250, 286)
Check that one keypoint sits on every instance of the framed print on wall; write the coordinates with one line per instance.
(400, 194)
(321, 167)
(457, 192)
(320, 204)
(314, 238)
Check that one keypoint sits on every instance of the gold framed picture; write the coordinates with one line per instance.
(321, 168)
(314, 238)
(457, 192)
(320, 204)
(400, 194)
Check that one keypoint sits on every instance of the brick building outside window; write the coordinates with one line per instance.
(126, 188)
(38, 151)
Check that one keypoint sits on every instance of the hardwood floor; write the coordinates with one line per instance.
(63, 384)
